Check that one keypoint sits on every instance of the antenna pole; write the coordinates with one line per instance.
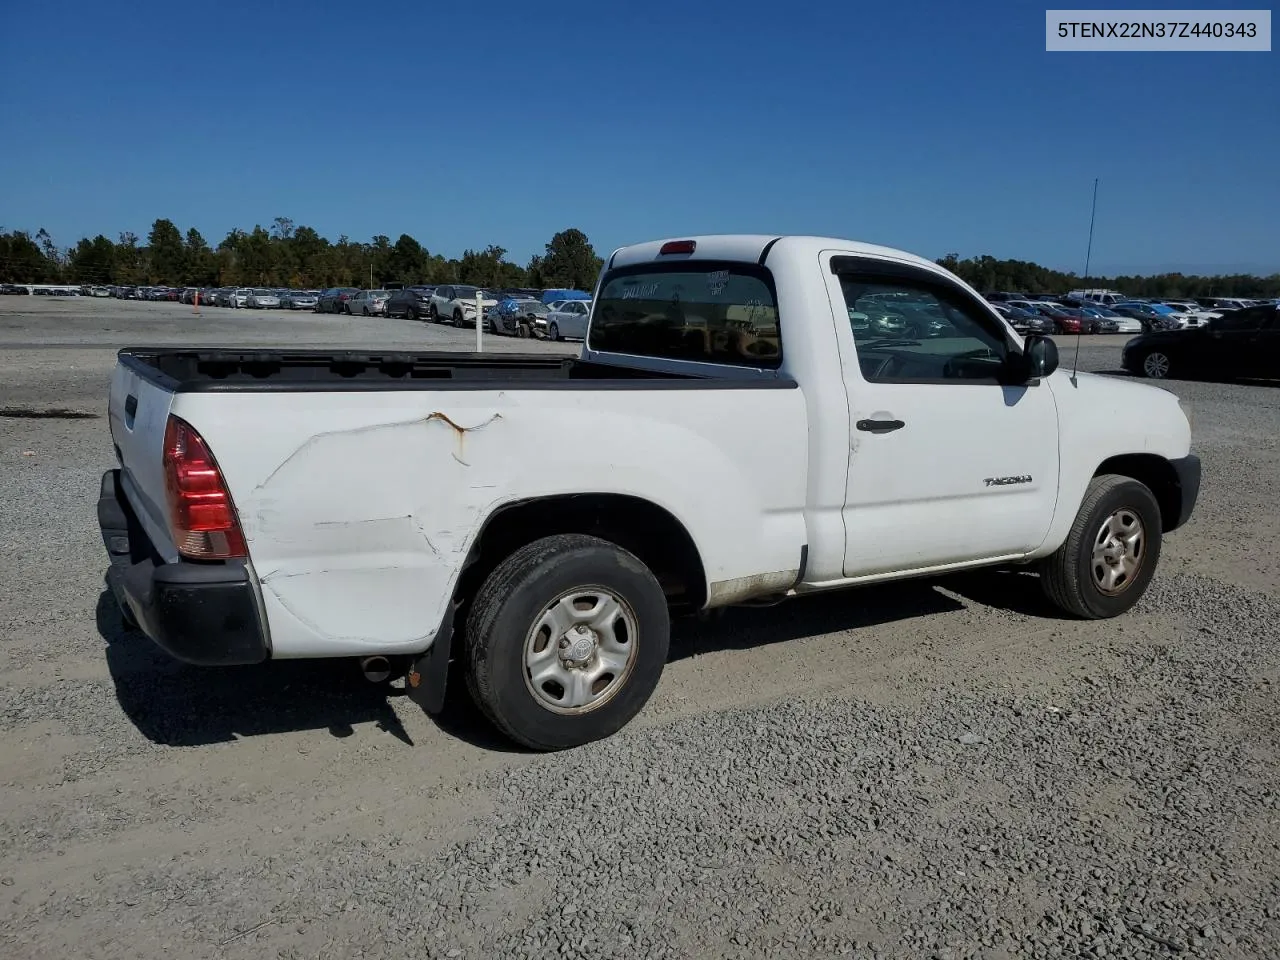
(1093, 212)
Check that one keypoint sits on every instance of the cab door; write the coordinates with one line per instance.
(949, 463)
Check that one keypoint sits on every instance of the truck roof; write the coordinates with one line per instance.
(750, 246)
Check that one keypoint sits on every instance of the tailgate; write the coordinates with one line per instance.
(137, 413)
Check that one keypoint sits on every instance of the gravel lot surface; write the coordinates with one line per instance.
(927, 770)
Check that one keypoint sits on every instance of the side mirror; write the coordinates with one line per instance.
(1040, 356)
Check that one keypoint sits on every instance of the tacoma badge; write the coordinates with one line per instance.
(1006, 481)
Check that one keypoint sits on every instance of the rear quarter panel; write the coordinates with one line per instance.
(359, 508)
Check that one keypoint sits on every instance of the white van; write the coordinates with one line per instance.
(1107, 297)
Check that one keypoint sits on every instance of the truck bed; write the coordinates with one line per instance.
(261, 370)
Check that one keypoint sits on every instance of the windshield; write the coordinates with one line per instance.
(689, 312)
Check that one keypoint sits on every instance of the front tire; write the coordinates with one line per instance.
(1110, 555)
(433, 314)
(457, 318)
(566, 641)
(410, 313)
(1156, 365)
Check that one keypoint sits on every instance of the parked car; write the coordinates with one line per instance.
(569, 321)
(1196, 315)
(301, 300)
(1149, 315)
(1066, 320)
(412, 303)
(457, 304)
(1024, 321)
(334, 300)
(521, 316)
(1109, 321)
(375, 505)
(368, 303)
(1243, 343)
(260, 299)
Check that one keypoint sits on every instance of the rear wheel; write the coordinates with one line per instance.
(1110, 555)
(566, 641)
(553, 331)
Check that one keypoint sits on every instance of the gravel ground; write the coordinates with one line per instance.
(923, 770)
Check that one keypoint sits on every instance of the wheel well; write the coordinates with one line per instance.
(657, 538)
(1154, 472)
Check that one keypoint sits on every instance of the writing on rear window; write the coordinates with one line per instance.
(634, 292)
(683, 312)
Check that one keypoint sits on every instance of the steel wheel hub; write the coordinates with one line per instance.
(578, 646)
(581, 650)
(1118, 552)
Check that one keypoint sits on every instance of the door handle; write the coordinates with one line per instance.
(880, 426)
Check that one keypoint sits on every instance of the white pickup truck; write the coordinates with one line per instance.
(751, 418)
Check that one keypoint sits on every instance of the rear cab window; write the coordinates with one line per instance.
(700, 311)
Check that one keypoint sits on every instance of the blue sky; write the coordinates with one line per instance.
(935, 127)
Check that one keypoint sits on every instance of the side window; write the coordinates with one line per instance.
(909, 331)
(1250, 318)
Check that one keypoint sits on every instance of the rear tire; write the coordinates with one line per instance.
(1110, 555)
(553, 331)
(620, 632)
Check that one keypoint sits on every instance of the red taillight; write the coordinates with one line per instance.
(678, 246)
(201, 514)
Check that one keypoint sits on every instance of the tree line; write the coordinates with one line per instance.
(987, 274)
(286, 255)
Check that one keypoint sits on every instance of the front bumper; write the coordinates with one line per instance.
(1187, 471)
(201, 613)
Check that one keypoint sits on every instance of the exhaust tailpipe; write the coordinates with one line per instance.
(376, 669)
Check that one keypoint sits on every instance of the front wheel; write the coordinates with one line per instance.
(566, 641)
(1156, 365)
(1111, 553)
(410, 313)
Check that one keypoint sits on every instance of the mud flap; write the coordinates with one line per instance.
(429, 673)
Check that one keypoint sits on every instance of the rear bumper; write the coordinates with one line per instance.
(1188, 471)
(201, 613)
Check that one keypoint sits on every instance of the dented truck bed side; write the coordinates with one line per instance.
(359, 507)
